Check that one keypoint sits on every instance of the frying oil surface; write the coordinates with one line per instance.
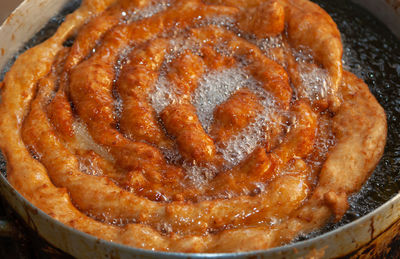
(368, 52)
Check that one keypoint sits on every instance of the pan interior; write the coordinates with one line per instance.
(369, 52)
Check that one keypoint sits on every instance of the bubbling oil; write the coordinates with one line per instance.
(369, 50)
(370, 53)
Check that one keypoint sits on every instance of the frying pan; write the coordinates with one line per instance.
(383, 222)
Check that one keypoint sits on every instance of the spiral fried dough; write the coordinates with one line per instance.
(308, 26)
(138, 118)
(169, 125)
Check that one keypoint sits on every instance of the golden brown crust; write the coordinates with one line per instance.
(89, 166)
(235, 114)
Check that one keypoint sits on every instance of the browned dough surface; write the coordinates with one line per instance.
(109, 130)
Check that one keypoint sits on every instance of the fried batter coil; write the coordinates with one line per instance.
(133, 179)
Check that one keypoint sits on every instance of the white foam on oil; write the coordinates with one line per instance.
(315, 80)
(199, 175)
(215, 88)
(270, 42)
(163, 94)
(118, 105)
(222, 21)
(88, 167)
(148, 11)
(178, 44)
(272, 47)
(269, 46)
(243, 144)
(86, 142)
(236, 149)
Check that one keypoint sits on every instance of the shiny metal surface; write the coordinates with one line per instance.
(388, 11)
(344, 240)
(7, 6)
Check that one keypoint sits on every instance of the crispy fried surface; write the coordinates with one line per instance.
(83, 125)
